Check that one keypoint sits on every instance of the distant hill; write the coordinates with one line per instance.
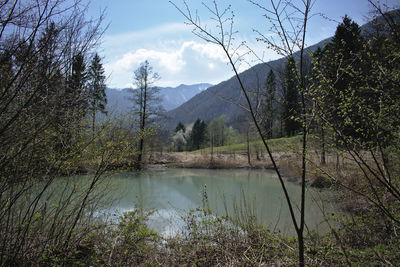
(118, 100)
(220, 99)
(172, 97)
(217, 100)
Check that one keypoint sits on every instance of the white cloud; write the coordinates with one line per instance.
(173, 62)
(171, 51)
(188, 62)
(145, 34)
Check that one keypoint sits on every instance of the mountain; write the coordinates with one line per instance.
(226, 97)
(118, 100)
(219, 99)
(172, 97)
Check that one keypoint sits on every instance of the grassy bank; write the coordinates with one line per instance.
(284, 144)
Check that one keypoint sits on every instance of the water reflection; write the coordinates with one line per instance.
(175, 191)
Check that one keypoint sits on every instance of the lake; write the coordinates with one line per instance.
(173, 192)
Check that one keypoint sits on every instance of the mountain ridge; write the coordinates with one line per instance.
(119, 100)
(213, 102)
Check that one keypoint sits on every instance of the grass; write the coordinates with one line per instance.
(284, 144)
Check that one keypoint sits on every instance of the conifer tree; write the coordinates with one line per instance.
(268, 104)
(340, 58)
(291, 105)
(96, 89)
(198, 134)
(179, 127)
(75, 92)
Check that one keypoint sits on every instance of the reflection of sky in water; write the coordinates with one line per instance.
(173, 191)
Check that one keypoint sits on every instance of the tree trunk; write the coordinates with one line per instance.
(94, 121)
(212, 148)
(143, 100)
(323, 158)
(248, 146)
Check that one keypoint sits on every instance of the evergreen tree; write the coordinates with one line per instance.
(339, 59)
(268, 104)
(96, 89)
(291, 105)
(198, 134)
(179, 127)
(48, 76)
(75, 92)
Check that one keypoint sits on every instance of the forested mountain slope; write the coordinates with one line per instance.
(223, 98)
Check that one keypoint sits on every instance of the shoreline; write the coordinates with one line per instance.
(288, 164)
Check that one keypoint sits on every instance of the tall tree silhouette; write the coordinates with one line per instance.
(146, 103)
(291, 107)
(268, 104)
(96, 89)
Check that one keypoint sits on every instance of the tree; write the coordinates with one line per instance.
(48, 77)
(76, 90)
(146, 103)
(339, 57)
(267, 109)
(356, 95)
(96, 89)
(198, 134)
(319, 124)
(218, 131)
(37, 42)
(179, 127)
(179, 138)
(291, 107)
(282, 17)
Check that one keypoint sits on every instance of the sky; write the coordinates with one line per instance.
(154, 30)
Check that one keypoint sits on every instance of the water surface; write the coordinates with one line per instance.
(172, 192)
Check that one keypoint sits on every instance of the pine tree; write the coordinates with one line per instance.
(291, 105)
(268, 104)
(198, 134)
(75, 92)
(339, 58)
(179, 127)
(96, 89)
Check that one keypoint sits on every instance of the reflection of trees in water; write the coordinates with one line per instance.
(254, 190)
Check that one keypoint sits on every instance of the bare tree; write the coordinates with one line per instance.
(288, 25)
(146, 103)
(38, 41)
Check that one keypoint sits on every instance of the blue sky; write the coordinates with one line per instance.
(154, 30)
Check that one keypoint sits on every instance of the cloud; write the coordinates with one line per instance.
(174, 54)
(187, 62)
(145, 35)
(172, 62)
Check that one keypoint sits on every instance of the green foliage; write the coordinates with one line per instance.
(76, 91)
(180, 127)
(219, 134)
(335, 79)
(146, 104)
(198, 135)
(291, 106)
(284, 144)
(96, 85)
(267, 106)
